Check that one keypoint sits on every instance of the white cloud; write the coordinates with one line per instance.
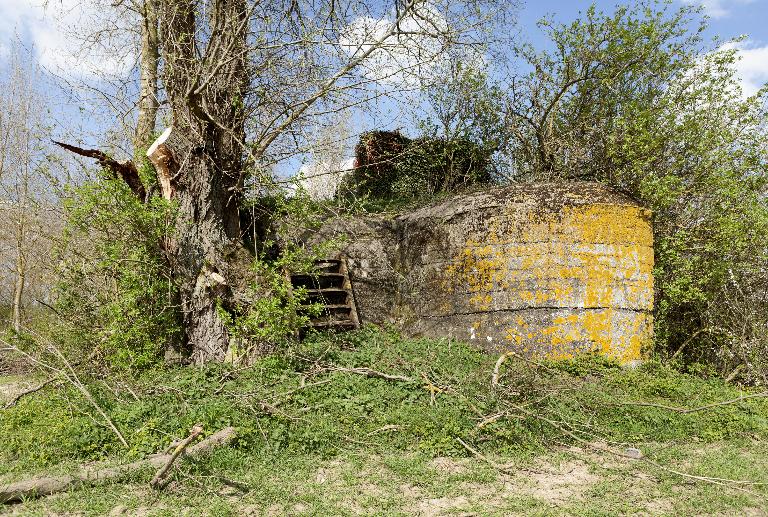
(59, 34)
(751, 65)
(752, 68)
(418, 53)
(321, 180)
(718, 8)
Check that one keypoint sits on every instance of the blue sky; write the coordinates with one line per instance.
(33, 23)
(727, 19)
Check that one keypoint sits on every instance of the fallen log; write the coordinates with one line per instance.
(42, 486)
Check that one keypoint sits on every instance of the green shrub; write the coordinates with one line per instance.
(275, 312)
(114, 294)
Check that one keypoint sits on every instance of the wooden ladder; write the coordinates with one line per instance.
(329, 285)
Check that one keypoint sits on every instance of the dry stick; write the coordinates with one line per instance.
(712, 480)
(497, 367)
(372, 373)
(157, 481)
(506, 355)
(685, 411)
(30, 391)
(72, 377)
(37, 487)
(486, 459)
(87, 394)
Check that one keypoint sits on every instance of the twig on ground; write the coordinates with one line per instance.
(481, 456)
(684, 411)
(30, 391)
(497, 368)
(367, 372)
(502, 359)
(158, 481)
(433, 388)
(234, 484)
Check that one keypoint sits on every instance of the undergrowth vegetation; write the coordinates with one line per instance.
(115, 300)
(371, 390)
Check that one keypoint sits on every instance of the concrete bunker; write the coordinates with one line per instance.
(546, 270)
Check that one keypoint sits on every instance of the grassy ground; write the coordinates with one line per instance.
(319, 435)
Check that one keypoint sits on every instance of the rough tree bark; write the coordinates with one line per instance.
(203, 164)
(21, 270)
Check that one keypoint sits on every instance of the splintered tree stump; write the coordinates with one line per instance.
(162, 154)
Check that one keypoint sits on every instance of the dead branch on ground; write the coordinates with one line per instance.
(70, 375)
(38, 487)
(15, 400)
(367, 372)
(685, 411)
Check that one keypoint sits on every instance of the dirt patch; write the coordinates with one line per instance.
(448, 465)
(12, 385)
(441, 506)
(661, 506)
(562, 483)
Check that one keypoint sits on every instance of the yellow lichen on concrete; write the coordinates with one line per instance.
(590, 265)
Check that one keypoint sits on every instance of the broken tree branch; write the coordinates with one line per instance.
(70, 376)
(478, 454)
(29, 391)
(367, 372)
(125, 170)
(158, 481)
(38, 487)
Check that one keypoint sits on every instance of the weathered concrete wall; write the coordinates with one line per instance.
(544, 269)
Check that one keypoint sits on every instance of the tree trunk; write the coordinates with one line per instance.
(203, 155)
(18, 290)
(21, 263)
(148, 76)
(207, 241)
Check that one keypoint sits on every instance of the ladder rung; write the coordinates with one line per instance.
(333, 323)
(316, 275)
(327, 290)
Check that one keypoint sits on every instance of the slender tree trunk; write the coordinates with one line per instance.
(148, 65)
(21, 276)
